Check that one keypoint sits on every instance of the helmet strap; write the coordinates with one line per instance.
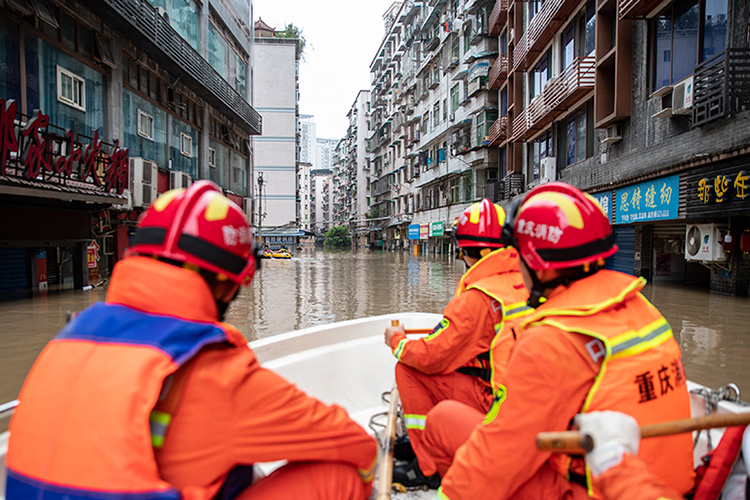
(537, 296)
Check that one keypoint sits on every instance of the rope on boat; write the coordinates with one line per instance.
(712, 398)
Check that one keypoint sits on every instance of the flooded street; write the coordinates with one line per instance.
(318, 287)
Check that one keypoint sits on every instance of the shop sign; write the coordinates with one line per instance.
(413, 231)
(605, 200)
(92, 254)
(719, 190)
(424, 231)
(285, 240)
(437, 228)
(652, 200)
(32, 151)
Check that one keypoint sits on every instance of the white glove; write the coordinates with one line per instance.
(614, 434)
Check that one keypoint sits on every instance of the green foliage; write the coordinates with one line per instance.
(337, 237)
(292, 31)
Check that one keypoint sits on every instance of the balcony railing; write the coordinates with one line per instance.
(147, 29)
(498, 131)
(560, 92)
(630, 9)
(498, 17)
(721, 86)
(540, 31)
(499, 71)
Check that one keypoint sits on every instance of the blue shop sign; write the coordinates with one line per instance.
(413, 231)
(653, 200)
(605, 200)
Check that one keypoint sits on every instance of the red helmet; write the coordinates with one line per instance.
(481, 225)
(559, 226)
(200, 226)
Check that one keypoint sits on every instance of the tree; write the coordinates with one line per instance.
(337, 237)
(292, 31)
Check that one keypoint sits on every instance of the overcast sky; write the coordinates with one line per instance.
(342, 38)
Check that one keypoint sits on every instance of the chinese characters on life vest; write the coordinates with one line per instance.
(652, 385)
(35, 151)
(723, 188)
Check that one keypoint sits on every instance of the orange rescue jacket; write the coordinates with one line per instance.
(476, 331)
(641, 370)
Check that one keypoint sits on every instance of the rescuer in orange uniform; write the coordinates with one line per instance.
(594, 344)
(453, 362)
(151, 396)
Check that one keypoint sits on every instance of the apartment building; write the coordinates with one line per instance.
(276, 96)
(104, 105)
(431, 114)
(642, 104)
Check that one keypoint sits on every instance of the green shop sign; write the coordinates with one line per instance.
(436, 228)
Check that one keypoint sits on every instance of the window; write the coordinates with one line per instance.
(454, 98)
(534, 8)
(145, 125)
(539, 75)
(211, 158)
(685, 34)
(436, 114)
(575, 142)
(71, 89)
(186, 145)
(540, 148)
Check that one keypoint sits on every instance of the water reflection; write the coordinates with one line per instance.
(713, 331)
(318, 287)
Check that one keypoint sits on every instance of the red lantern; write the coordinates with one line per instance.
(745, 241)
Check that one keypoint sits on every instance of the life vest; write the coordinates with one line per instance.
(509, 294)
(84, 427)
(717, 465)
(640, 372)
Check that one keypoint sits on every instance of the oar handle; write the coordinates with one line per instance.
(385, 477)
(574, 442)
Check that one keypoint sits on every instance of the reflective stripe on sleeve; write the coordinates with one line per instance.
(158, 423)
(415, 421)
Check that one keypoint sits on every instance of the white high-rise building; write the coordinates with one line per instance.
(307, 137)
(276, 91)
(324, 153)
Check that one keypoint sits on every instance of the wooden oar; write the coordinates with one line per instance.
(415, 331)
(385, 475)
(574, 442)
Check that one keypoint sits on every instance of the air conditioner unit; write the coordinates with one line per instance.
(614, 134)
(666, 106)
(703, 243)
(682, 97)
(143, 179)
(548, 170)
(179, 180)
(452, 117)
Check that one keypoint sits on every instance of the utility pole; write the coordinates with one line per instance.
(260, 207)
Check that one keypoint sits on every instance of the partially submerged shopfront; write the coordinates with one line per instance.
(691, 227)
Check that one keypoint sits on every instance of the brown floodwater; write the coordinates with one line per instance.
(318, 287)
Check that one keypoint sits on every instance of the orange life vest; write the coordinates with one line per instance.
(85, 427)
(641, 370)
(505, 286)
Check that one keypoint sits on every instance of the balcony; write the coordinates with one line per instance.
(498, 131)
(631, 9)
(541, 30)
(498, 72)
(560, 92)
(149, 30)
(498, 17)
(721, 87)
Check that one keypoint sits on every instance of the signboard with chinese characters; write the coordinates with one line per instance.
(436, 228)
(605, 200)
(658, 199)
(40, 151)
(413, 231)
(92, 254)
(719, 189)
(424, 231)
